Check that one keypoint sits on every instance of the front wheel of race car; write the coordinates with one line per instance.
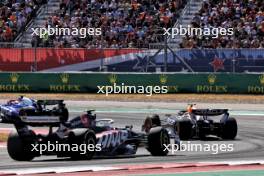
(18, 148)
(90, 141)
(229, 129)
(158, 139)
(86, 138)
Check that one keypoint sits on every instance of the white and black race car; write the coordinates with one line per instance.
(83, 129)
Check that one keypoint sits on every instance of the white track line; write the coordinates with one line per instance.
(67, 169)
(234, 163)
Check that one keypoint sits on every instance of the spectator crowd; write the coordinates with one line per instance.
(136, 23)
(15, 15)
(246, 17)
(124, 23)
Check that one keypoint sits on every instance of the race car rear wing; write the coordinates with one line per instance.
(49, 102)
(209, 112)
(41, 120)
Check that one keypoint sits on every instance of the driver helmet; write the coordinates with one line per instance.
(191, 107)
(88, 120)
(21, 100)
(26, 100)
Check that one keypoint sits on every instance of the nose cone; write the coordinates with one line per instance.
(9, 110)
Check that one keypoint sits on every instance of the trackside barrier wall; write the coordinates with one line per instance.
(176, 82)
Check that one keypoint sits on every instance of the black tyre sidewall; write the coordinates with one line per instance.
(90, 138)
(20, 149)
(229, 129)
(157, 137)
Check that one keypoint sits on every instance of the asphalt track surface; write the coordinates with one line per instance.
(249, 145)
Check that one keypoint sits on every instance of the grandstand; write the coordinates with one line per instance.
(246, 17)
(124, 24)
(132, 35)
(15, 15)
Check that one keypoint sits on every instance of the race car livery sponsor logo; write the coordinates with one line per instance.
(65, 86)
(257, 88)
(112, 138)
(211, 88)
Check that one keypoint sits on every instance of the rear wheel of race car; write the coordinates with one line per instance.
(185, 129)
(20, 149)
(158, 138)
(229, 129)
(90, 142)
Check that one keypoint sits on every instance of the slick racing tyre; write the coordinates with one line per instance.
(229, 129)
(90, 139)
(18, 148)
(158, 138)
(185, 129)
(82, 137)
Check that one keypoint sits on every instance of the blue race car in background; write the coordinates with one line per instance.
(31, 110)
